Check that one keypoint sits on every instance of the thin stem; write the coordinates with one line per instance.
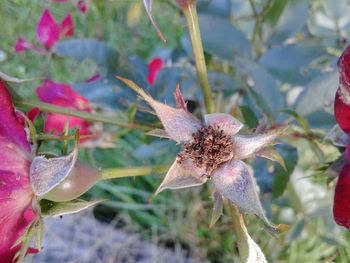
(190, 12)
(45, 107)
(239, 230)
(113, 173)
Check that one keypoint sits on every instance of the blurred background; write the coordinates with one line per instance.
(273, 58)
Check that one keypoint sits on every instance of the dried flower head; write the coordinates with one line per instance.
(212, 151)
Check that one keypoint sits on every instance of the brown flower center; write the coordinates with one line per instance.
(209, 148)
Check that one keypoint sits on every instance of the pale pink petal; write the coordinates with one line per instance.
(182, 175)
(23, 45)
(248, 146)
(235, 181)
(47, 31)
(83, 6)
(67, 26)
(154, 67)
(178, 123)
(16, 212)
(225, 122)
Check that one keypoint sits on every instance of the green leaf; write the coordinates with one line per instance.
(220, 38)
(281, 175)
(51, 209)
(249, 117)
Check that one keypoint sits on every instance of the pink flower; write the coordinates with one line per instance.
(83, 6)
(48, 33)
(63, 95)
(16, 195)
(154, 67)
(212, 151)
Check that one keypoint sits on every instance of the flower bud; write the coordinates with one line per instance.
(78, 182)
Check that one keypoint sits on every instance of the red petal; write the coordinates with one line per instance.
(23, 45)
(342, 111)
(16, 213)
(63, 94)
(33, 114)
(154, 67)
(83, 6)
(341, 208)
(48, 31)
(344, 68)
(67, 26)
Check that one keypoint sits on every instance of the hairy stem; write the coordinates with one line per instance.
(112, 173)
(45, 107)
(190, 12)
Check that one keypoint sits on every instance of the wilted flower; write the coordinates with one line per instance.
(212, 151)
(63, 95)
(154, 67)
(48, 33)
(16, 196)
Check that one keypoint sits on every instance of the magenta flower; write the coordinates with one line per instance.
(48, 33)
(212, 151)
(154, 67)
(16, 195)
(63, 95)
(82, 5)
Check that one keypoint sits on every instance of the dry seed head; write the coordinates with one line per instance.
(209, 148)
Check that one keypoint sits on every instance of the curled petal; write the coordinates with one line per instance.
(48, 31)
(226, 122)
(67, 27)
(45, 174)
(178, 123)
(247, 146)
(182, 175)
(234, 180)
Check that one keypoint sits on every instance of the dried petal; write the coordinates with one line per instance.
(178, 123)
(48, 31)
(154, 67)
(225, 122)
(67, 27)
(45, 174)
(247, 146)
(217, 208)
(234, 180)
(182, 175)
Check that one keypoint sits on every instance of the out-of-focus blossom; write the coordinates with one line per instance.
(154, 67)
(48, 33)
(83, 6)
(63, 95)
(212, 151)
(16, 196)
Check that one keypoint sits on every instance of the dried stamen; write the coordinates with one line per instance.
(209, 148)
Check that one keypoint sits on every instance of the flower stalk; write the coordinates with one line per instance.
(190, 12)
(112, 173)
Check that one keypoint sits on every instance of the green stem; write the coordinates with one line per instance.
(45, 107)
(239, 230)
(190, 12)
(112, 173)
